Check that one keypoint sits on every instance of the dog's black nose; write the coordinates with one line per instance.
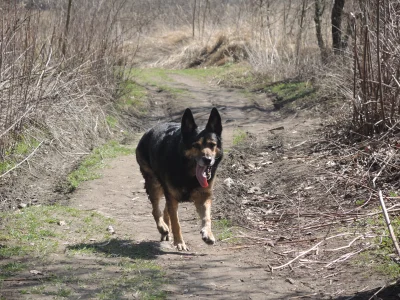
(207, 161)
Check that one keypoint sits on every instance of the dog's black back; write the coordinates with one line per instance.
(172, 150)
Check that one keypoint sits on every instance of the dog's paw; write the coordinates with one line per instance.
(207, 236)
(163, 229)
(165, 237)
(182, 246)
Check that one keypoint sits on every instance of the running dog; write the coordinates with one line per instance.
(179, 161)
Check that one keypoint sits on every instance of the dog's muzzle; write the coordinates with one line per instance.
(203, 170)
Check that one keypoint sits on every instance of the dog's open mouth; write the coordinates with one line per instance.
(203, 173)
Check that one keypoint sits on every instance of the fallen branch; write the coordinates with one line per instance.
(389, 225)
(346, 256)
(307, 251)
(297, 257)
(344, 247)
(376, 293)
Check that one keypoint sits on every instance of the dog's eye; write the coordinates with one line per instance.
(211, 145)
(196, 145)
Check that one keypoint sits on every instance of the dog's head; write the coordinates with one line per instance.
(204, 147)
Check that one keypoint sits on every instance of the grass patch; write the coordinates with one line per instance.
(112, 122)
(289, 92)
(380, 259)
(22, 148)
(34, 231)
(224, 229)
(131, 94)
(239, 136)
(237, 75)
(144, 278)
(9, 269)
(94, 161)
(151, 76)
(110, 269)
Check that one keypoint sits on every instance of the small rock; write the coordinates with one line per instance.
(331, 164)
(36, 272)
(290, 280)
(254, 190)
(62, 223)
(22, 205)
(110, 229)
(229, 182)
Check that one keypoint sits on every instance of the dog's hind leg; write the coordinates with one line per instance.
(172, 206)
(155, 192)
(167, 219)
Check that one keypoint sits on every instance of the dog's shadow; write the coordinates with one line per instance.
(128, 248)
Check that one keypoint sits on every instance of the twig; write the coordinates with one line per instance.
(346, 256)
(307, 251)
(16, 122)
(303, 296)
(386, 162)
(344, 247)
(376, 293)
(297, 257)
(389, 225)
(21, 162)
(358, 217)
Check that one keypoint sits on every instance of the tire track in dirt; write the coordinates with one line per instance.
(222, 271)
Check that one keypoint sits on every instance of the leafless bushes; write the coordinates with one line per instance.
(276, 37)
(57, 69)
(376, 61)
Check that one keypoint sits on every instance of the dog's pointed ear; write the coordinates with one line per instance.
(214, 122)
(188, 125)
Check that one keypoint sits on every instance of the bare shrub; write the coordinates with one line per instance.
(368, 72)
(58, 70)
(276, 37)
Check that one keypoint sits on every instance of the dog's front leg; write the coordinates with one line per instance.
(203, 206)
(172, 206)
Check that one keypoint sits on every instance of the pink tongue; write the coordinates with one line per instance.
(200, 177)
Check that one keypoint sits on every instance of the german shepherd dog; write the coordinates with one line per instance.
(180, 161)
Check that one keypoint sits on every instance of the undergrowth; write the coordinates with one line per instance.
(50, 242)
(381, 259)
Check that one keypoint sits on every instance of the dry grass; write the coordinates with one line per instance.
(57, 76)
(58, 80)
(267, 34)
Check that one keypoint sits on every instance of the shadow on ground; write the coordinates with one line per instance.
(387, 293)
(129, 249)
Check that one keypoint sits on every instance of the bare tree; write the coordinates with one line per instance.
(337, 12)
(299, 35)
(319, 10)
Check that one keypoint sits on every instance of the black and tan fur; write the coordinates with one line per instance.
(170, 155)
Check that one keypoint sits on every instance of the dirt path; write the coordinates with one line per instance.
(230, 270)
(223, 271)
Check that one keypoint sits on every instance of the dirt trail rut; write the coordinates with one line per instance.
(222, 271)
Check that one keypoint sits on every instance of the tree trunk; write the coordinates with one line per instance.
(298, 42)
(64, 46)
(337, 11)
(319, 10)
(194, 18)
